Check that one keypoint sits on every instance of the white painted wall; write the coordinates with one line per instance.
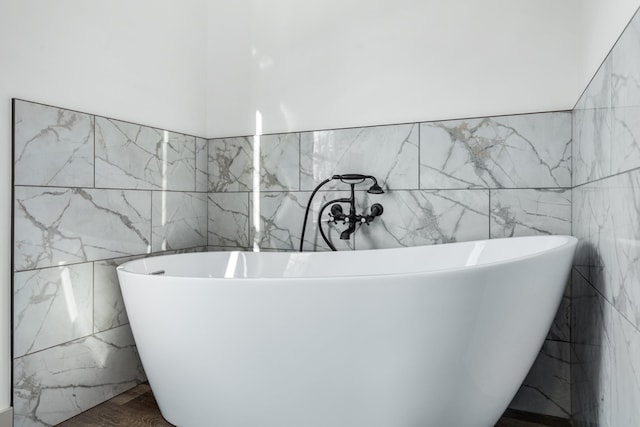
(602, 22)
(138, 60)
(205, 66)
(332, 63)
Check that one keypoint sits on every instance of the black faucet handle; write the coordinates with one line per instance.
(376, 210)
(337, 214)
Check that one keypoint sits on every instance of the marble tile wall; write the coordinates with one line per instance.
(89, 194)
(606, 218)
(444, 182)
(105, 191)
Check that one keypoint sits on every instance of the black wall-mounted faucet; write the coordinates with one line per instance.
(336, 213)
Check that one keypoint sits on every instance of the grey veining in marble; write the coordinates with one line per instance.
(281, 219)
(179, 220)
(63, 225)
(605, 219)
(425, 217)
(546, 389)
(591, 356)
(625, 378)
(280, 162)
(52, 306)
(55, 384)
(53, 147)
(231, 163)
(561, 327)
(526, 151)
(202, 164)
(109, 310)
(140, 157)
(228, 220)
(387, 152)
(530, 212)
(592, 144)
(625, 153)
(280, 222)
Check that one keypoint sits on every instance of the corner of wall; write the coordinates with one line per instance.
(6, 417)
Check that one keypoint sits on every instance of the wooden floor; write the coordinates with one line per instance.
(138, 408)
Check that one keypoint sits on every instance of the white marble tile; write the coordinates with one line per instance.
(591, 355)
(55, 226)
(53, 147)
(179, 220)
(231, 163)
(525, 151)
(202, 164)
(561, 327)
(282, 217)
(607, 221)
(626, 66)
(593, 129)
(592, 144)
(51, 306)
(588, 217)
(228, 219)
(625, 378)
(625, 153)
(425, 217)
(139, 157)
(546, 389)
(280, 162)
(389, 153)
(55, 384)
(109, 310)
(524, 212)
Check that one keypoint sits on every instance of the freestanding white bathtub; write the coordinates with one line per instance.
(433, 336)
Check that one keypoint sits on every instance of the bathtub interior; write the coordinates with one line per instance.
(238, 265)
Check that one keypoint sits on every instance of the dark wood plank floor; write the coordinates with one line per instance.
(138, 408)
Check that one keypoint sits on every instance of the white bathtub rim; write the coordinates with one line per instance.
(569, 241)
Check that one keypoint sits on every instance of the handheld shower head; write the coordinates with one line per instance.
(375, 188)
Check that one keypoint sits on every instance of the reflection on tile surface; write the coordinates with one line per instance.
(53, 147)
(109, 310)
(58, 383)
(546, 390)
(52, 306)
(530, 151)
(561, 326)
(625, 376)
(64, 225)
(591, 356)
